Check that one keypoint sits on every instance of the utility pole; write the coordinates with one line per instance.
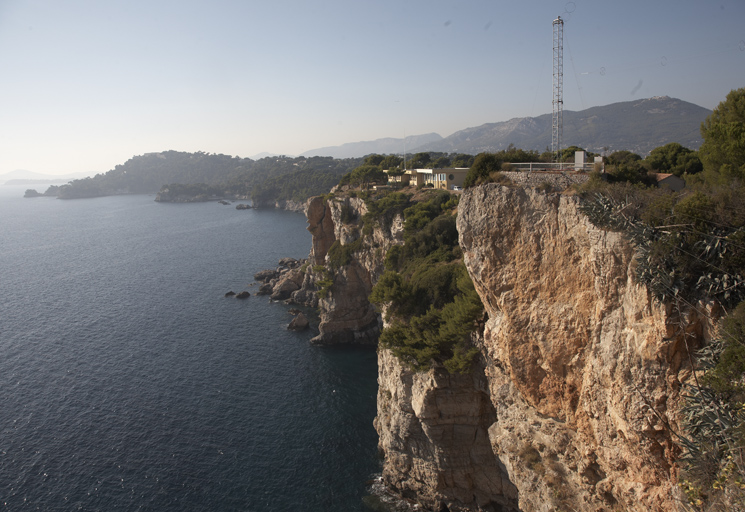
(557, 125)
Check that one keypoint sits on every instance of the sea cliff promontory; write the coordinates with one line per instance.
(573, 399)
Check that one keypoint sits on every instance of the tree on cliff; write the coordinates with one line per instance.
(622, 157)
(483, 166)
(723, 150)
(675, 159)
(363, 176)
(391, 162)
(431, 304)
(420, 161)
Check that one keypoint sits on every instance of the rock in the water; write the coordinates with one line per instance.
(243, 295)
(223, 201)
(289, 282)
(299, 323)
(265, 276)
(242, 206)
(265, 289)
(230, 294)
(288, 262)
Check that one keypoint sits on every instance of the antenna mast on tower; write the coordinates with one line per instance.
(558, 103)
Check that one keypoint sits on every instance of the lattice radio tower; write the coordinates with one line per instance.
(558, 103)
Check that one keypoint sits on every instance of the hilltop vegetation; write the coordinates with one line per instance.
(204, 176)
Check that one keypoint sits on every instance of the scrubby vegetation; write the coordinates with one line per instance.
(691, 247)
(382, 210)
(690, 244)
(430, 302)
(714, 463)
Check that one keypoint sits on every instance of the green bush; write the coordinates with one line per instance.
(381, 212)
(430, 300)
(438, 335)
(324, 284)
(689, 244)
(340, 255)
(348, 214)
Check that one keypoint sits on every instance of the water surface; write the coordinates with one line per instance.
(129, 382)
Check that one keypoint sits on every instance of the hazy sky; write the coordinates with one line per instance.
(85, 85)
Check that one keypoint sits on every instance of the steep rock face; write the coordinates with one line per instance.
(321, 226)
(583, 368)
(433, 430)
(346, 314)
(573, 401)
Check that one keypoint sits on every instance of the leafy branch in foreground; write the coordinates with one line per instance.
(685, 251)
(713, 476)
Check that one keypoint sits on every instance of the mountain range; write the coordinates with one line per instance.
(638, 126)
(24, 177)
(384, 146)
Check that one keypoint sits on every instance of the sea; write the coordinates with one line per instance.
(129, 382)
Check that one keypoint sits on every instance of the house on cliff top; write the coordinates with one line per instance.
(450, 178)
(670, 181)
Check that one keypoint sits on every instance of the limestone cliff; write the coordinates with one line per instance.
(573, 401)
(346, 315)
(584, 369)
(434, 436)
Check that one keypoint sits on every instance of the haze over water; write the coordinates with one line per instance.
(129, 382)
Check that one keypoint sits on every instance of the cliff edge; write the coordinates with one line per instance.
(573, 400)
(584, 369)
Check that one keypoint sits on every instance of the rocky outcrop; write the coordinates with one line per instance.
(584, 369)
(574, 401)
(282, 281)
(289, 282)
(284, 204)
(346, 316)
(321, 226)
(299, 323)
(294, 206)
(433, 430)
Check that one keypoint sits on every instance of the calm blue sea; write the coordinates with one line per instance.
(129, 382)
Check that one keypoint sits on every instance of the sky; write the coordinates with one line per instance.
(86, 85)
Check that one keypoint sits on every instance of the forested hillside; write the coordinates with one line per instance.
(270, 178)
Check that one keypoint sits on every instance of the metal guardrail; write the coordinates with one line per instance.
(555, 167)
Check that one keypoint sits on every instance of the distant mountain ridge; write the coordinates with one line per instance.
(388, 145)
(24, 177)
(638, 126)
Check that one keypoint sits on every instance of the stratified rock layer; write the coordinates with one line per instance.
(433, 429)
